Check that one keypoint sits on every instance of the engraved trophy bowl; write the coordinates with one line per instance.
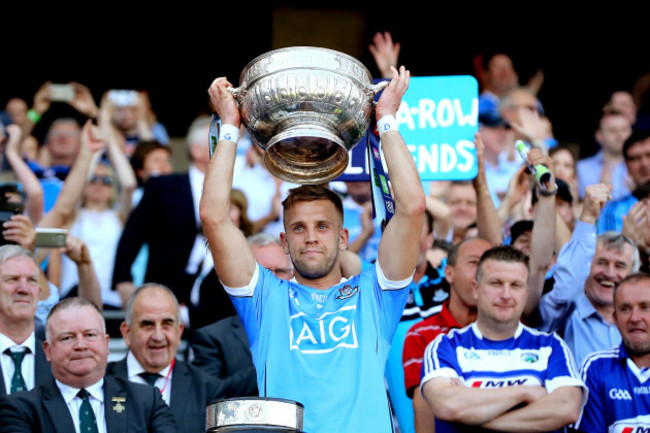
(254, 414)
(306, 107)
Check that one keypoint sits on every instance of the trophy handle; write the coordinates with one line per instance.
(373, 89)
(238, 93)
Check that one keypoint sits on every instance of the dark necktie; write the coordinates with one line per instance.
(150, 378)
(87, 420)
(17, 380)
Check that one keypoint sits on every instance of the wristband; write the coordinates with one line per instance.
(385, 124)
(547, 193)
(33, 115)
(229, 132)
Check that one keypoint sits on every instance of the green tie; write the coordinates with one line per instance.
(150, 378)
(87, 420)
(17, 380)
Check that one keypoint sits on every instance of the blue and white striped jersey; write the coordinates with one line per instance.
(528, 358)
(619, 394)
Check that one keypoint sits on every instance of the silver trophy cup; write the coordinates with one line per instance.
(306, 107)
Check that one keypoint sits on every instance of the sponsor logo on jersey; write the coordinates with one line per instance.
(470, 354)
(619, 394)
(498, 383)
(346, 292)
(530, 357)
(638, 429)
(325, 333)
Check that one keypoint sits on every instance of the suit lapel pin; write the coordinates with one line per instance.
(119, 407)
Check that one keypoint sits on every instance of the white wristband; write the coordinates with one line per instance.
(229, 132)
(385, 124)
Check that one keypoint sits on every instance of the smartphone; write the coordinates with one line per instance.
(51, 238)
(61, 92)
(123, 98)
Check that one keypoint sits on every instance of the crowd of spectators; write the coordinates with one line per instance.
(130, 221)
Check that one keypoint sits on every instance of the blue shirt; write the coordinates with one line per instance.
(528, 358)
(619, 394)
(590, 169)
(326, 349)
(612, 215)
(566, 308)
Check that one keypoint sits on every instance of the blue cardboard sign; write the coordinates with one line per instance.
(438, 118)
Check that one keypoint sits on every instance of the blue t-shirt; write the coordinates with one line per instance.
(619, 394)
(614, 212)
(326, 349)
(528, 358)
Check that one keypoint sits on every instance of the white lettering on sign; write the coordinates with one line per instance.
(443, 158)
(431, 114)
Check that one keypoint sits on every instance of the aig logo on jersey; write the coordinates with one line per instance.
(619, 394)
(324, 333)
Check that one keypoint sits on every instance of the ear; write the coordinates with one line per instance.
(475, 289)
(344, 237)
(46, 349)
(285, 244)
(449, 274)
(124, 330)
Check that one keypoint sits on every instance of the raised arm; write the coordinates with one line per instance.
(32, 187)
(398, 248)
(70, 194)
(123, 169)
(574, 261)
(89, 287)
(543, 236)
(487, 218)
(233, 259)
(385, 53)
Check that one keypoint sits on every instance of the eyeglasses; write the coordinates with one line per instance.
(106, 180)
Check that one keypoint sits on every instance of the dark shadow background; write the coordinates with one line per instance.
(175, 53)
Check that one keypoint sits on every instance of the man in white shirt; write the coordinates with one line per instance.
(80, 398)
(152, 329)
(19, 295)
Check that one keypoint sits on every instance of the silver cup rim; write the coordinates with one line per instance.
(302, 47)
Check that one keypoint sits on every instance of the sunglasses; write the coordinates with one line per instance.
(106, 180)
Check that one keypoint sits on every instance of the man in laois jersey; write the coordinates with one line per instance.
(496, 373)
(618, 379)
(318, 339)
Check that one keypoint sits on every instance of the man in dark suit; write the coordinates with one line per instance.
(222, 349)
(167, 220)
(152, 331)
(81, 399)
(19, 345)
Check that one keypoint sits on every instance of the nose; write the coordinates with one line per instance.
(311, 235)
(158, 334)
(506, 292)
(80, 342)
(635, 315)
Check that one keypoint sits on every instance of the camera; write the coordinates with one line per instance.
(9, 206)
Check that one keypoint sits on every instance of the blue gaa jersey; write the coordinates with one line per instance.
(619, 394)
(528, 358)
(326, 349)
